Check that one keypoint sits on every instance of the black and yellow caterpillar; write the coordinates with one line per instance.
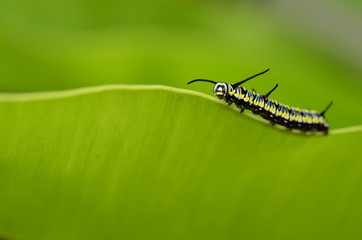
(271, 110)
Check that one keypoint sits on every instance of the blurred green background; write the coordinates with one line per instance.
(312, 47)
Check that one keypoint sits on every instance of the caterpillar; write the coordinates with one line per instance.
(271, 110)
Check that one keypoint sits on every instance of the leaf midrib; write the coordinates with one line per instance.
(39, 96)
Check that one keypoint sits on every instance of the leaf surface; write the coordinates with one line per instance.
(153, 162)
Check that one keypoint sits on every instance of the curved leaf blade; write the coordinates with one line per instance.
(160, 163)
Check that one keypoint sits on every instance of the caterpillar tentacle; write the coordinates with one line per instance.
(271, 110)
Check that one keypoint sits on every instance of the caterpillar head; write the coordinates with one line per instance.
(221, 90)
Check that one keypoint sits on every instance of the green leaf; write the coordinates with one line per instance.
(153, 162)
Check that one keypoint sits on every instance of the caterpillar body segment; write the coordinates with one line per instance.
(271, 110)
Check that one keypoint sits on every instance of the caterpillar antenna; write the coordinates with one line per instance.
(202, 80)
(245, 80)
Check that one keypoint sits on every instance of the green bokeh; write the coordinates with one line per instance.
(70, 44)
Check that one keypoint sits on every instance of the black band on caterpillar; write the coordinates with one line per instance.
(271, 110)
